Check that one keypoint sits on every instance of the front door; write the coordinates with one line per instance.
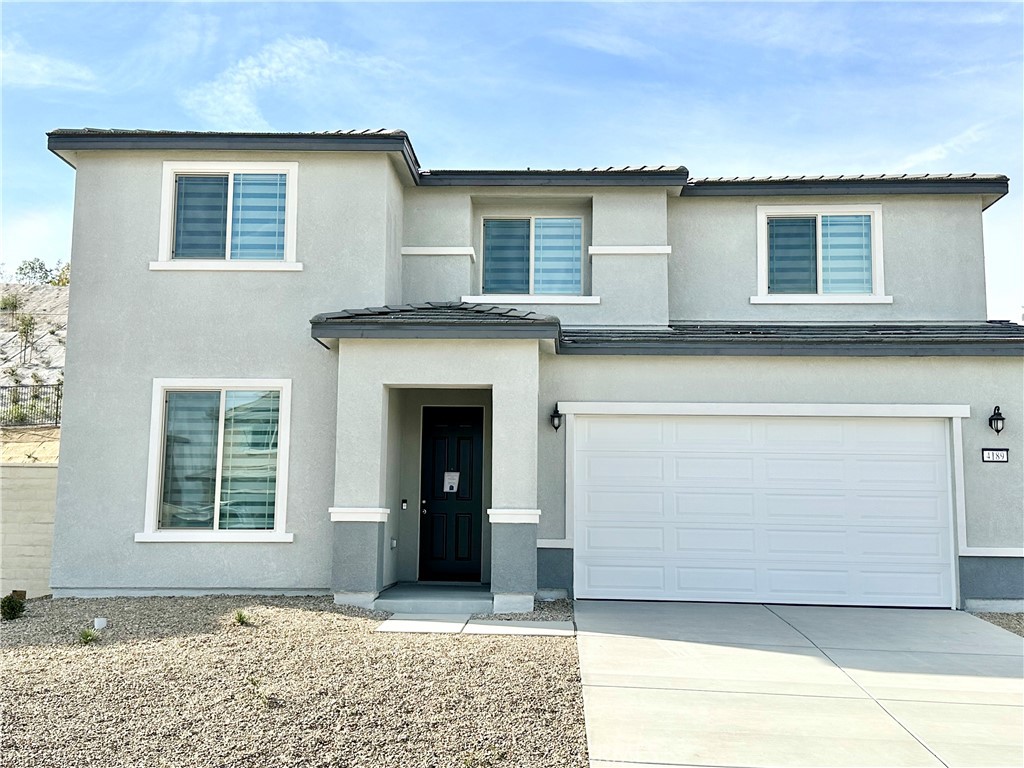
(451, 499)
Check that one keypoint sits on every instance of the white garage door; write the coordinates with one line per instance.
(840, 511)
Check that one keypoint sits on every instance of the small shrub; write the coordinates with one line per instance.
(11, 608)
(36, 378)
(26, 327)
(242, 619)
(15, 414)
(88, 636)
(10, 302)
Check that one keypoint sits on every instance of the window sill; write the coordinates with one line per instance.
(526, 298)
(221, 537)
(225, 266)
(796, 298)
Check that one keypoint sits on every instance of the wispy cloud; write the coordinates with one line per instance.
(604, 41)
(959, 143)
(308, 67)
(23, 68)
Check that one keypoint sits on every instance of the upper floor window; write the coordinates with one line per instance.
(228, 216)
(533, 255)
(218, 460)
(820, 254)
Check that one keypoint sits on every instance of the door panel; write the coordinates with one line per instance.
(450, 521)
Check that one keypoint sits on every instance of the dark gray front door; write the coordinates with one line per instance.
(451, 507)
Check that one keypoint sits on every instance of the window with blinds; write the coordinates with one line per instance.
(252, 227)
(533, 256)
(220, 461)
(820, 254)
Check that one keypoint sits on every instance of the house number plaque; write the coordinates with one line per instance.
(996, 455)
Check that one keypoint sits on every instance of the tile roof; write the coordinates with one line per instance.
(148, 132)
(436, 312)
(851, 177)
(913, 339)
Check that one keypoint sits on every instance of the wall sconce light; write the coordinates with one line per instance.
(556, 418)
(997, 421)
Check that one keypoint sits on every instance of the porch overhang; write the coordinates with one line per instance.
(434, 320)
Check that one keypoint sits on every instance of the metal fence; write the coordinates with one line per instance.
(30, 404)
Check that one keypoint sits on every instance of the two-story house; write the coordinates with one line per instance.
(623, 382)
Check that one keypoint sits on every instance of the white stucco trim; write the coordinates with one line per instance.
(991, 552)
(514, 516)
(629, 250)
(151, 525)
(220, 537)
(554, 544)
(358, 599)
(440, 250)
(359, 514)
(225, 266)
(882, 410)
(512, 602)
(172, 168)
(994, 606)
(527, 298)
(824, 298)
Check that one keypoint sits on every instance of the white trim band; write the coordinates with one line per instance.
(554, 544)
(991, 551)
(440, 250)
(529, 298)
(514, 516)
(630, 250)
(224, 265)
(218, 537)
(359, 514)
(912, 410)
(824, 298)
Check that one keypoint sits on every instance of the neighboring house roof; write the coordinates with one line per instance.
(435, 320)
(453, 320)
(991, 186)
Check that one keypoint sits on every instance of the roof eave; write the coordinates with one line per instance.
(433, 330)
(797, 349)
(991, 190)
(64, 143)
(672, 179)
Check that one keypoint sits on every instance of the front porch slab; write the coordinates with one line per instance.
(434, 599)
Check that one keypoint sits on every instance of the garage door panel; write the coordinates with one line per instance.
(722, 467)
(695, 507)
(619, 538)
(901, 472)
(721, 542)
(698, 433)
(803, 471)
(635, 503)
(735, 583)
(607, 468)
(616, 433)
(833, 510)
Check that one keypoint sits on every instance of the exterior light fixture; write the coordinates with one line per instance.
(556, 418)
(996, 420)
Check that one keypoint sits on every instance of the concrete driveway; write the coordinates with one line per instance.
(712, 684)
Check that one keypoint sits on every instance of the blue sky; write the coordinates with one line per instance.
(725, 88)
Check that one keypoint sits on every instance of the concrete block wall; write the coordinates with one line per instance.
(28, 496)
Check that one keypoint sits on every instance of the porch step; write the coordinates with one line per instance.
(429, 598)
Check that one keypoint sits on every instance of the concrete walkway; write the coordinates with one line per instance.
(711, 684)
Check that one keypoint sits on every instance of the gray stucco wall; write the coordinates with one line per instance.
(129, 325)
(932, 251)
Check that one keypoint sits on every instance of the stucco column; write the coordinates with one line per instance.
(359, 513)
(514, 514)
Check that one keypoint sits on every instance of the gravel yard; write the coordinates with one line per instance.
(175, 681)
(1012, 622)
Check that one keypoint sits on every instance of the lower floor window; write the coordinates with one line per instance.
(220, 462)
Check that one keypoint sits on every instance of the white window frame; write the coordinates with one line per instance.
(174, 168)
(877, 294)
(152, 531)
(546, 298)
